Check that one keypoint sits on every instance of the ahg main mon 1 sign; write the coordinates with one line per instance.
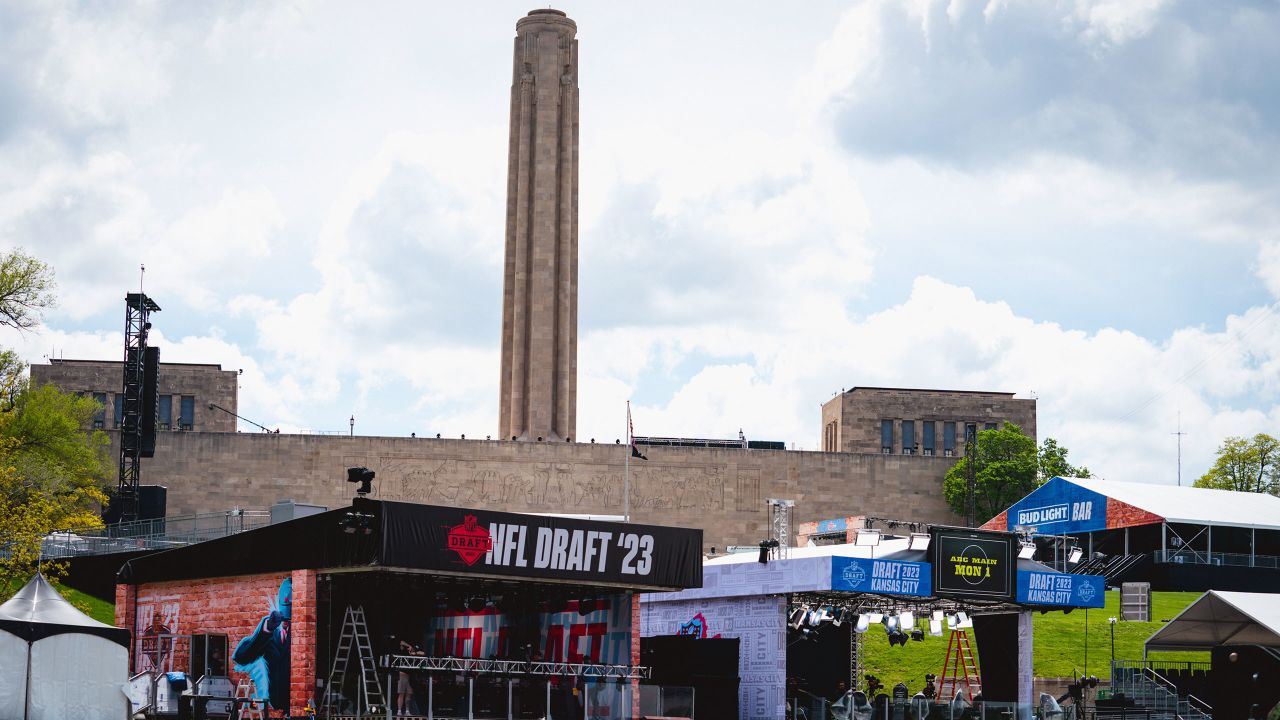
(972, 563)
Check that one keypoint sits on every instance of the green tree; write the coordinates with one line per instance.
(53, 469)
(1053, 462)
(1246, 464)
(1007, 467)
(26, 289)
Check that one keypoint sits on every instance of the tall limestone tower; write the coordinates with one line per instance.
(540, 286)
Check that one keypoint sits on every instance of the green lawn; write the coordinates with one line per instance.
(1059, 643)
(99, 610)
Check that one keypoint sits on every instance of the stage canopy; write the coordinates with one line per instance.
(1222, 618)
(447, 541)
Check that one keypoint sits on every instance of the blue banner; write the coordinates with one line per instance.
(1059, 507)
(884, 577)
(832, 526)
(1060, 589)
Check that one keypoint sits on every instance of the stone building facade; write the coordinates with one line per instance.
(722, 491)
(184, 392)
(900, 421)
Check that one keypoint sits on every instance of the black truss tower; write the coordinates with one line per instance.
(137, 309)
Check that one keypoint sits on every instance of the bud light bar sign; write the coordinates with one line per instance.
(1060, 507)
(1052, 588)
(882, 577)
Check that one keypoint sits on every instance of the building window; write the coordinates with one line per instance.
(928, 437)
(164, 412)
(908, 437)
(187, 413)
(989, 426)
(119, 409)
(100, 417)
(948, 439)
(886, 437)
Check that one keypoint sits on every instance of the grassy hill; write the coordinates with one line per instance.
(1059, 643)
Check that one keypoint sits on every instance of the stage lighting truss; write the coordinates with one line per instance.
(516, 667)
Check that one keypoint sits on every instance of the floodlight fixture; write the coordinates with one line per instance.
(837, 616)
(917, 634)
(918, 541)
(935, 627)
(866, 537)
(906, 619)
(875, 617)
(1074, 555)
(1027, 551)
(937, 615)
(890, 623)
(951, 621)
(963, 621)
(864, 622)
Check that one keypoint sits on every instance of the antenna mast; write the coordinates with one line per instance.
(1179, 434)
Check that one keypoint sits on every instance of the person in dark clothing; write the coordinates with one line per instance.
(264, 653)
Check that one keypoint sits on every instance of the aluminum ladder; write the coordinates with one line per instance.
(355, 635)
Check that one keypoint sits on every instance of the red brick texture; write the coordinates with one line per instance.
(999, 522)
(302, 648)
(230, 606)
(1121, 515)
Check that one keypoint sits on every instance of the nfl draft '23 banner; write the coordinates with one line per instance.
(513, 544)
(883, 577)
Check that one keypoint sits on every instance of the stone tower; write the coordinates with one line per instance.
(539, 385)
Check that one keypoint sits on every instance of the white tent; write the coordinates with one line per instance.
(59, 664)
(1222, 618)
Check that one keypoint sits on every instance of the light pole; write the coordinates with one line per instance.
(352, 423)
(1112, 621)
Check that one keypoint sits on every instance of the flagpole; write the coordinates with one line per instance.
(626, 471)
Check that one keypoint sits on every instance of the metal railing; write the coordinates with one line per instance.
(157, 534)
(1184, 556)
(1151, 690)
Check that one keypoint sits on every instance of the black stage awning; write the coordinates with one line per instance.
(431, 539)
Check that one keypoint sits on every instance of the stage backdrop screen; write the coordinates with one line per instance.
(972, 563)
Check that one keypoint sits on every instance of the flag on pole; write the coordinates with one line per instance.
(631, 435)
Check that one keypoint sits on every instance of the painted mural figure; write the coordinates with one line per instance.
(264, 653)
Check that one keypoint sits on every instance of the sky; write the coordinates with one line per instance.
(1073, 200)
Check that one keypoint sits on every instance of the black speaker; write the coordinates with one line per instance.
(150, 374)
(152, 501)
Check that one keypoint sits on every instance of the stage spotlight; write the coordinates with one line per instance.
(963, 621)
(837, 616)
(864, 622)
(362, 475)
(797, 616)
(457, 603)
(951, 621)
(866, 537)
(897, 638)
(476, 604)
(917, 635)
(906, 620)
(935, 627)
(918, 541)
(875, 617)
(890, 623)
(1075, 554)
(586, 606)
(937, 615)
(1027, 551)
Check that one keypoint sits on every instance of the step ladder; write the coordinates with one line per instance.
(960, 672)
(355, 635)
(249, 709)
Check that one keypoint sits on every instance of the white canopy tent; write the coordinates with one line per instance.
(59, 664)
(1222, 618)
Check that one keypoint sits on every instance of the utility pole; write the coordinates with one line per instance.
(1179, 434)
(970, 471)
